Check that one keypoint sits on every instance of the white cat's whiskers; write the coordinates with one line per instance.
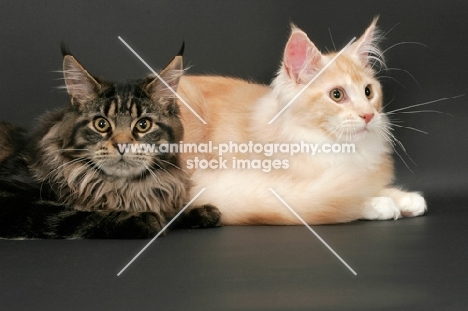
(338, 131)
(334, 130)
(387, 125)
(385, 34)
(390, 139)
(403, 43)
(331, 38)
(410, 128)
(346, 132)
(385, 131)
(424, 111)
(388, 128)
(402, 70)
(385, 106)
(394, 80)
(422, 104)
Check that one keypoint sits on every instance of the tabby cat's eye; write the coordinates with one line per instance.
(143, 125)
(102, 125)
(368, 92)
(337, 95)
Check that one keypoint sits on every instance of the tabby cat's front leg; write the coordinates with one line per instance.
(393, 204)
(205, 216)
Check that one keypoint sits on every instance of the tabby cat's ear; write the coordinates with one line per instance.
(171, 76)
(301, 57)
(81, 86)
(366, 46)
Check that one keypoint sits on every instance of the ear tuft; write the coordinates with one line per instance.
(64, 48)
(182, 49)
(366, 47)
(81, 86)
(171, 77)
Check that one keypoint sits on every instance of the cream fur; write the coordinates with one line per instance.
(325, 188)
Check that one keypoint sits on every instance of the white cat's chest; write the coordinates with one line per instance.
(318, 151)
(347, 158)
(312, 165)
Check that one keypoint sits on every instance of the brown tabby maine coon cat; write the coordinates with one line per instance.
(70, 178)
(343, 105)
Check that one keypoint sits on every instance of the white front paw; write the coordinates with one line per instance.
(384, 208)
(412, 204)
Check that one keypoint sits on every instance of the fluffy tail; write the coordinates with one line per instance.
(28, 211)
(29, 218)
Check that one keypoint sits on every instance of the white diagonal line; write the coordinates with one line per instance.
(160, 232)
(312, 230)
(310, 82)
(161, 79)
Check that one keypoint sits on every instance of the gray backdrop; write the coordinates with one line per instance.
(417, 263)
(246, 39)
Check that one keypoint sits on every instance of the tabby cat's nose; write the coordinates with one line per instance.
(122, 141)
(122, 148)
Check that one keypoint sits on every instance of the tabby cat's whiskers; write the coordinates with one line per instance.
(74, 180)
(173, 165)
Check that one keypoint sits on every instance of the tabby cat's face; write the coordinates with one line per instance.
(116, 128)
(118, 132)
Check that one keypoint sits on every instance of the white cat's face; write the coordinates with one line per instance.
(347, 102)
(344, 102)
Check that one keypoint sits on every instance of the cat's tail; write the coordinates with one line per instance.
(27, 218)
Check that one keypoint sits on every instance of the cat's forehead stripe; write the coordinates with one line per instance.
(111, 110)
(134, 110)
(115, 106)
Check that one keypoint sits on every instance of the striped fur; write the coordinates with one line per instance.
(75, 182)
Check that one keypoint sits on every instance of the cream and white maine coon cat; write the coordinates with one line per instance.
(343, 105)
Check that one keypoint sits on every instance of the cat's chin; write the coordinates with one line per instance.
(122, 169)
(359, 135)
(355, 137)
(122, 173)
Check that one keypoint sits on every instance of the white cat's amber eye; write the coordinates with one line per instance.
(143, 125)
(101, 125)
(368, 92)
(337, 95)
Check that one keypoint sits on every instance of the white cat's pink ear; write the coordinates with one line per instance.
(366, 47)
(81, 86)
(301, 57)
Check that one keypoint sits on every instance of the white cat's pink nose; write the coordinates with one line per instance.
(367, 117)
